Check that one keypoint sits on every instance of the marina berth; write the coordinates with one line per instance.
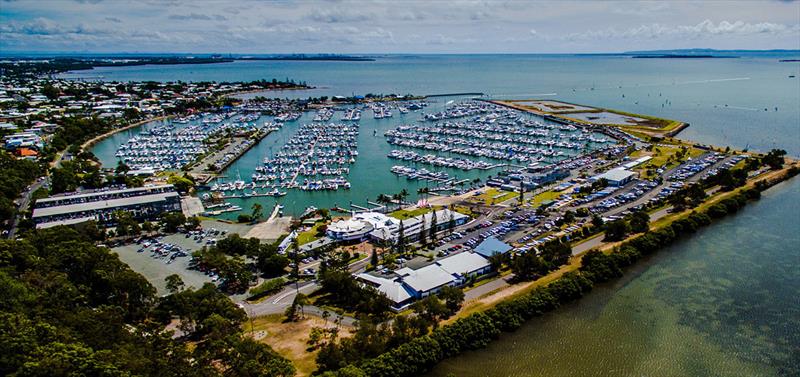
(316, 158)
(495, 132)
(173, 145)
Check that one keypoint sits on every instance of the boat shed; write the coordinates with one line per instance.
(491, 246)
(615, 177)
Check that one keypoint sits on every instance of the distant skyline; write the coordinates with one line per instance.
(351, 27)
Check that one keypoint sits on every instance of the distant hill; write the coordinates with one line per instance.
(712, 53)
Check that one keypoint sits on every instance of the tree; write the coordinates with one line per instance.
(434, 225)
(521, 192)
(569, 217)
(453, 298)
(639, 222)
(401, 239)
(257, 211)
(528, 266)
(423, 192)
(298, 303)
(270, 263)
(431, 309)
(451, 223)
(122, 168)
(617, 230)
(147, 227)
(774, 159)
(597, 221)
(496, 260)
(174, 283)
(182, 184)
(126, 225)
(423, 234)
(172, 220)
(373, 260)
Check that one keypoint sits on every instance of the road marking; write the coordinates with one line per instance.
(281, 297)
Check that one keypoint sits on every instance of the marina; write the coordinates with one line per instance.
(300, 158)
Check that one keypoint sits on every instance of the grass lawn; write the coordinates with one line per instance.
(661, 155)
(464, 210)
(405, 214)
(493, 196)
(310, 235)
(545, 196)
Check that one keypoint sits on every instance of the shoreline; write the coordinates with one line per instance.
(484, 322)
(496, 297)
(91, 142)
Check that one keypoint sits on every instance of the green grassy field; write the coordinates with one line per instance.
(493, 196)
(404, 214)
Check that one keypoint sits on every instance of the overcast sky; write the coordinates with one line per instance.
(286, 26)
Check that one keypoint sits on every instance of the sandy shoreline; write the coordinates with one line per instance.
(96, 139)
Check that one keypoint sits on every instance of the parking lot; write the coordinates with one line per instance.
(156, 258)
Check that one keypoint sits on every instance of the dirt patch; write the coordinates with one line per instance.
(289, 339)
(271, 229)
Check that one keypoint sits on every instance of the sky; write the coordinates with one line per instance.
(433, 26)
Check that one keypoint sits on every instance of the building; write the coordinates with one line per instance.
(406, 285)
(615, 177)
(549, 176)
(23, 140)
(637, 162)
(412, 227)
(144, 203)
(386, 229)
(358, 227)
(491, 246)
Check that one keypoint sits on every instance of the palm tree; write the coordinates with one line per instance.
(384, 199)
(399, 199)
(423, 191)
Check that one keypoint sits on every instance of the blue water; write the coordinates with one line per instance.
(698, 89)
(722, 303)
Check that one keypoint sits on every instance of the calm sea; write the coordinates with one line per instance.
(724, 302)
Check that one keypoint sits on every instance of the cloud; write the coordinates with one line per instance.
(703, 29)
(197, 16)
(641, 9)
(44, 26)
(333, 16)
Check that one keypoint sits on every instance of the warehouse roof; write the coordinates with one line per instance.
(102, 204)
(492, 245)
(463, 263)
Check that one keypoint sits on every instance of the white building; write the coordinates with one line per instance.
(360, 226)
(406, 285)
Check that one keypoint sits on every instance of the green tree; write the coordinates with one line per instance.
(257, 211)
(617, 230)
(639, 222)
(174, 283)
(453, 298)
(433, 227)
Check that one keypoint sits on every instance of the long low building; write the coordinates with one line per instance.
(143, 203)
(406, 285)
(412, 227)
(615, 177)
(386, 229)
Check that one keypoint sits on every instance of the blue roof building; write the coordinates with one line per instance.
(491, 246)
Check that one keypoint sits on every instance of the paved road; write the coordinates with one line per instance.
(22, 204)
(277, 304)
(497, 283)
(25, 197)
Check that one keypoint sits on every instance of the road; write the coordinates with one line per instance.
(25, 197)
(277, 304)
